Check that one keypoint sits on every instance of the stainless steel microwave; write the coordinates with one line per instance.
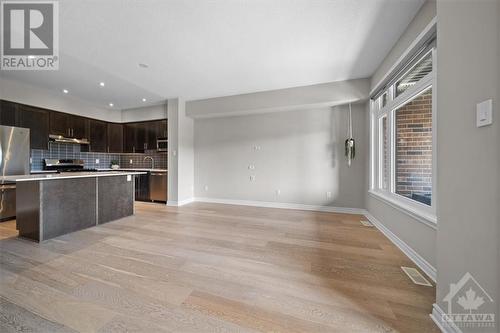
(162, 144)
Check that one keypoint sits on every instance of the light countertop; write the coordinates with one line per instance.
(67, 175)
(134, 169)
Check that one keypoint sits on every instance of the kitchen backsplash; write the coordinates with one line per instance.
(72, 151)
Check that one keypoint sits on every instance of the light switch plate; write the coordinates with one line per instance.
(484, 113)
(129, 178)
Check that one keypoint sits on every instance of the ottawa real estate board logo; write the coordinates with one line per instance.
(29, 35)
(469, 306)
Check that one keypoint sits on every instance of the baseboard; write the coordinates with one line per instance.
(180, 203)
(283, 205)
(405, 248)
(437, 317)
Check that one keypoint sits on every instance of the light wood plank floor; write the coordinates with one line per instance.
(212, 268)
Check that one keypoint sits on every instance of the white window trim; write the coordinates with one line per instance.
(419, 211)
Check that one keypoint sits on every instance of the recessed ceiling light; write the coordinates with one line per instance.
(65, 91)
(143, 99)
(143, 65)
(101, 84)
(111, 104)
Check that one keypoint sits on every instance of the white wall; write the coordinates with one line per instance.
(298, 98)
(180, 153)
(468, 166)
(301, 154)
(145, 113)
(419, 236)
(32, 95)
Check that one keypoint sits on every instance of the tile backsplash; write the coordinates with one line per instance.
(72, 151)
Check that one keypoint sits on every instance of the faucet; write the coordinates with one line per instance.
(152, 161)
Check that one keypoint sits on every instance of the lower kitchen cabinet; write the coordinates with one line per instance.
(142, 190)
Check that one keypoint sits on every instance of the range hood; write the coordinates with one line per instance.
(62, 139)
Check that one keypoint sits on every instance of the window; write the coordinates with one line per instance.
(403, 160)
(413, 128)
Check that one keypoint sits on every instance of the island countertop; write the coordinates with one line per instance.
(67, 175)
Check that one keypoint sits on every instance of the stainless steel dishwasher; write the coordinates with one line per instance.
(158, 186)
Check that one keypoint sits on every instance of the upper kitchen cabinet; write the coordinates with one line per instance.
(162, 129)
(115, 138)
(98, 136)
(68, 125)
(128, 138)
(8, 113)
(37, 120)
(142, 136)
(79, 127)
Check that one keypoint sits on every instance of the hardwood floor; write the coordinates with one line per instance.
(212, 268)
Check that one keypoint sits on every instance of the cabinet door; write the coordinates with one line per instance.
(142, 188)
(79, 127)
(37, 120)
(98, 136)
(115, 138)
(59, 124)
(151, 134)
(140, 137)
(162, 131)
(128, 138)
(8, 113)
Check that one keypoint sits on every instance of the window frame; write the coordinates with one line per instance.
(418, 210)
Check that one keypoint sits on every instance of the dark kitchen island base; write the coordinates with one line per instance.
(51, 208)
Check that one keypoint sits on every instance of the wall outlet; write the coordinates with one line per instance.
(131, 161)
(278, 192)
(206, 188)
(256, 147)
(328, 195)
(96, 161)
(251, 167)
(252, 178)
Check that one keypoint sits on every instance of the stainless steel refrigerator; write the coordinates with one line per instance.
(14, 160)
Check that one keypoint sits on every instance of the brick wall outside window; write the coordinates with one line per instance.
(414, 148)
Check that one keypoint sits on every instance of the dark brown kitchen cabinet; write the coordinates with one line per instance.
(128, 138)
(142, 187)
(8, 113)
(79, 127)
(162, 129)
(98, 136)
(68, 125)
(115, 138)
(59, 124)
(141, 137)
(37, 120)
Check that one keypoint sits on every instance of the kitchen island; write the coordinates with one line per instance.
(51, 205)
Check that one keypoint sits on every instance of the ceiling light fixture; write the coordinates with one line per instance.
(143, 99)
(142, 65)
(101, 84)
(111, 104)
(65, 91)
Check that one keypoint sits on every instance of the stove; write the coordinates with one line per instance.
(66, 165)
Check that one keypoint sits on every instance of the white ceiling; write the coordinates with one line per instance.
(200, 49)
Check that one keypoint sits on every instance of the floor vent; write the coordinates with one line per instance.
(366, 223)
(415, 276)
